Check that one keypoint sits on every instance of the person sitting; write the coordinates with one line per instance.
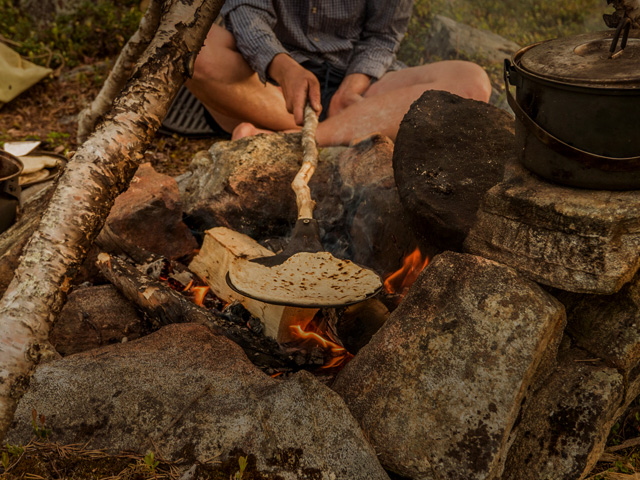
(255, 74)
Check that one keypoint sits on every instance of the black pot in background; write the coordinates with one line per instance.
(577, 111)
(10, 169)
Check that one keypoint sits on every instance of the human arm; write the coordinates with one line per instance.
(251, 22)
(252, 25)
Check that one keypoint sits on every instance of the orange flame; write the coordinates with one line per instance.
(339, 354)
(401, 280)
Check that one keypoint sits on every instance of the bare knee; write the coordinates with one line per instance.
(217, 56)
(473, 80)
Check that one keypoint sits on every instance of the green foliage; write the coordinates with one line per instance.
(150, 461)
(242, 464)
(5, 461)
(98, 29)
(522, 21)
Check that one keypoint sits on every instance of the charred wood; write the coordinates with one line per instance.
(164, 306)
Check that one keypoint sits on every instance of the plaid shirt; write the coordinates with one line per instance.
(353, 36)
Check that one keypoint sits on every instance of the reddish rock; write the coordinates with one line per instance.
(149, 214)
(93, 317)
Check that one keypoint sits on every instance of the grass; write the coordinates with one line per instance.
(97, 30)
(521, 21)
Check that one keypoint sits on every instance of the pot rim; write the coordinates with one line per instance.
(615, 88)
(15, 161)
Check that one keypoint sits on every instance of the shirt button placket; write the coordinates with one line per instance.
(313, 21)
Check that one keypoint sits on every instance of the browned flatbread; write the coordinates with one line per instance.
(305, 279)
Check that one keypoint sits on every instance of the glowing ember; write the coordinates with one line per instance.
(399, 282)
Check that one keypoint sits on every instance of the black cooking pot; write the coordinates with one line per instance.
(578, 111)
(10, 169)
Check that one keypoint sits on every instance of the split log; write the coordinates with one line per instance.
(121, 70)
(100, 170)
(220, 247)
(164, 306)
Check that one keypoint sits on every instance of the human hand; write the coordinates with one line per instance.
(349, 92)
(298, 85)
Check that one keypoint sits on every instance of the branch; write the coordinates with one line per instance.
(121, 71)
(100, 170)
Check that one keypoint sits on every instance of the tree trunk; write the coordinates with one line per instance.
(121, 70)
(99, 171)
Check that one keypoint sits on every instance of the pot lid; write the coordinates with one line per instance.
(584, 60)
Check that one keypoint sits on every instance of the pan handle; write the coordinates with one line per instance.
(541, 134)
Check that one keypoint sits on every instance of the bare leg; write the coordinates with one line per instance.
(231, 91)
(386, 102)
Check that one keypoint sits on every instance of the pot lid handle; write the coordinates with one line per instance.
(547, 138)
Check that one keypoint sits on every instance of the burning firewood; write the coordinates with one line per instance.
(163, 306)
(220, 248)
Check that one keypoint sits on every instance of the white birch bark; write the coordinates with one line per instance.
(100, 170)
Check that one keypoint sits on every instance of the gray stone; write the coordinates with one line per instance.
(582, 241)
(245, 185)
(449, 40)
(93, 317)
(439, 387)
(565, 424)
(449, 151)
(184, 392)
(607, 326)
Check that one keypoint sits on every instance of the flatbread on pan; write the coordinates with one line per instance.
(305, 279)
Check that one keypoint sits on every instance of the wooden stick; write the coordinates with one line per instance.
(300, 184)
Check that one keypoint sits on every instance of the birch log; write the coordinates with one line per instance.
(121, 71)
(100, 170)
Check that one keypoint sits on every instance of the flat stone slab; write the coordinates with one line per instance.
(439, 387)
(583, 241)
(565, 425)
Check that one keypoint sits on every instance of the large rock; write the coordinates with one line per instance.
(187, 393)
(439, 387)
(149, 215)
(564, 428)
(93, 317)
(245, 185)
(582, 241)
(450, 40)
(449, 151)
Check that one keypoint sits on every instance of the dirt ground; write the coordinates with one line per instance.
(49, 110)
